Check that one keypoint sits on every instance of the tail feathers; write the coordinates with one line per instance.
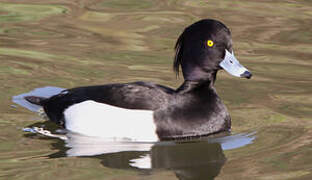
(35, 100)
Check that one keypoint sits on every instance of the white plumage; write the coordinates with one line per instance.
(102, 120)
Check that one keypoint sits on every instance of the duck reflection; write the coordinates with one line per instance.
(197, 160)
(189, 159)
(200, 159)
(194, 159)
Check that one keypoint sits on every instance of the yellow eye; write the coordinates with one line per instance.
(209, 43)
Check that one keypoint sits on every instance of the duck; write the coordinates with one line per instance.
(149, 112)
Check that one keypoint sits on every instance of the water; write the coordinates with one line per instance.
(68, 44)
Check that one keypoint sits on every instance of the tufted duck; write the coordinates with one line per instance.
(145, 111)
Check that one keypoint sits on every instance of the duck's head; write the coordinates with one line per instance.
(204, 48)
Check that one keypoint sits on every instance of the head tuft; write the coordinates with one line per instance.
(178, 54)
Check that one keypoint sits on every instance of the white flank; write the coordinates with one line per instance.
(102, 120)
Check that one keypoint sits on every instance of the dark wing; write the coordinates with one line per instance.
(137, 95)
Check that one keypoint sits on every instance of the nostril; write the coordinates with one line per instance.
(246, 74)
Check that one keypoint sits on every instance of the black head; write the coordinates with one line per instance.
(201, 48)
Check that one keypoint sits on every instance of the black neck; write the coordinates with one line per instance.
(189, 85)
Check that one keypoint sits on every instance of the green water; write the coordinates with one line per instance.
(87, 42)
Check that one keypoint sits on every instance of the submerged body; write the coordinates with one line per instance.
(147, 112)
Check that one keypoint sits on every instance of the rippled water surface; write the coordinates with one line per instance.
(87, 42)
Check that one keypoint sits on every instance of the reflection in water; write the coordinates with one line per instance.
(80, 145)
(189, 160)
(200, 158)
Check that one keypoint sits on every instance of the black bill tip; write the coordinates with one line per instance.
(246, 74)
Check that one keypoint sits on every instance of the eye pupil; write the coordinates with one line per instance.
(231, 61)
(209, 43)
